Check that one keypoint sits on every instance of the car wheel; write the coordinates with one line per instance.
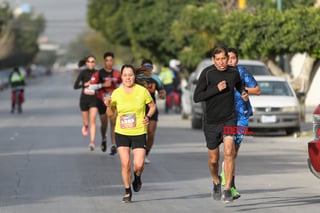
(196, 123)
(293, 131)
(184, 116)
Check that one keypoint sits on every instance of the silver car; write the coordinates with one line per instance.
(276, 108)
(253, 66)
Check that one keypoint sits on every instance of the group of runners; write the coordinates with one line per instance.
(131, 109)
(97, 85)
(126, 99)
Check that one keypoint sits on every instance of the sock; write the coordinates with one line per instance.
(136, 177)
(232, 182)
(128, 190)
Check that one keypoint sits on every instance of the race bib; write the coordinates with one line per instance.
(88, 91)
(128, 121)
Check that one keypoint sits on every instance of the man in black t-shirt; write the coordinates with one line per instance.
(216, 88)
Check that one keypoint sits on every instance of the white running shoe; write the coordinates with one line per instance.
(91, 146)
(147, 161)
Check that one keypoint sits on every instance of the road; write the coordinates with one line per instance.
(46, 166)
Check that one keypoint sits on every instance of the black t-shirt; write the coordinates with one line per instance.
(83, 77)
(220, 106)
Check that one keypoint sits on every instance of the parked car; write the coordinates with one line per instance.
(276, 108)
(4, 78)
(196, 110)
(314, 146)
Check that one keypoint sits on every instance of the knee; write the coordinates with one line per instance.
(139, 168)
(126, 166)
(229, 153)
(213, 162)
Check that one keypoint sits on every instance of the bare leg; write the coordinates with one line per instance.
(85, 117)
(229, 153)
(124, 155)
(112, 127)
(138, 160)
(104, 126)
(213, 163)
(92, 116)
(237, 147)
(151, 134)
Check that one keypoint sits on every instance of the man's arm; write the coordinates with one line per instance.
(95, 82)
(250, 82)
(240, 87)
(254, 90)
(78, 83)
(202, 91)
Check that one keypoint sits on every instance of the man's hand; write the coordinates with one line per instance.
(107, 83)
(86, 84)
(107, 101)
(222, 85)
(244, 96)
(162, 94)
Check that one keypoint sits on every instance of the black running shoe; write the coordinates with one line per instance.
(126, 198)
(216, 191)
(136, 185)
(113, 150)
(103, 146)
(227, 196)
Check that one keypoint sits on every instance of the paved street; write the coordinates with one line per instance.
(46, 165)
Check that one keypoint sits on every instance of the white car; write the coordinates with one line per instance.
(276, 108)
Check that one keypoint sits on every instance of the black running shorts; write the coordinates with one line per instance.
(214, 133)
(87, 102)
(136, 141)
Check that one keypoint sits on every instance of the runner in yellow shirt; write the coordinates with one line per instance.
(130, 100)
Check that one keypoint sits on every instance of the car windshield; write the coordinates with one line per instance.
(276, 88)
(256, 70)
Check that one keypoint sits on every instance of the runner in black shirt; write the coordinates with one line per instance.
(216, 87)
(88, 99)
(109, 79)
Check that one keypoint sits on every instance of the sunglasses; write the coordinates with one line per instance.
(148, 66)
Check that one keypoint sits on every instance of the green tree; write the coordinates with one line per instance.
(197, 30)
(18, 37)
(6, 35)
(259, 32)
(27, 29)
(143, 25)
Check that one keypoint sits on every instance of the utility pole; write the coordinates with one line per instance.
(279, 5)
(281, 58)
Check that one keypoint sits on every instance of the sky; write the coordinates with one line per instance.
(65, 18)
